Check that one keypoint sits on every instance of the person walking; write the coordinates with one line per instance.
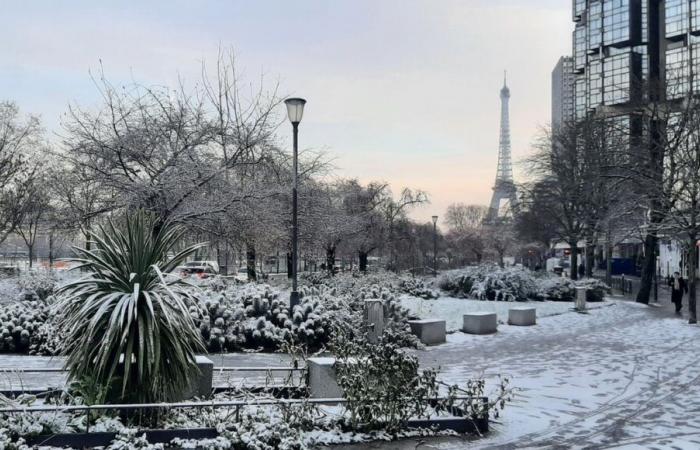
(678, 288)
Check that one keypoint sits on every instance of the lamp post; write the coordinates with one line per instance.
(295, 110)
(435, 245)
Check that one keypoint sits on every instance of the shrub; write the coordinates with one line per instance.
(41, 284)
(24, 328)
(417, 287)
(556, 289)
(489, 282)
(595, 289)
(126, 326)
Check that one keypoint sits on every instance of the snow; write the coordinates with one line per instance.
(622, 375)
(451, 309)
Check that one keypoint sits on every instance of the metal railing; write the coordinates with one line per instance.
(220, 369)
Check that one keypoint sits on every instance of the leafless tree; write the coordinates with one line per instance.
(20, 139)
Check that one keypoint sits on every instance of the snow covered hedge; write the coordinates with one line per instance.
(234, 317)
(488, 282)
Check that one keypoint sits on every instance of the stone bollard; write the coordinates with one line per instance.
(480, 323)
(201, 386)
(429, 331)
(322, 378)
(522, 316)
(374, 319)
(580, 304)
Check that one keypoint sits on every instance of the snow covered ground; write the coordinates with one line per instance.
(451, 309)
(625, 376)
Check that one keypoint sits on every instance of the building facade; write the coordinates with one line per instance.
(563, 91)
(629, 53)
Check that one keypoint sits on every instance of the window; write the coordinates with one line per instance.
(616, 21)
(617, 79)
(676, 17)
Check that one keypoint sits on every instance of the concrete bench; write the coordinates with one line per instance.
(322, 378)
(429, 331)
(522, 316)
(480, 323)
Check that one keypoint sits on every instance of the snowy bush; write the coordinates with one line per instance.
(41, 284)
(487, 282)
(555, 288)
(595, 289)
(417, 287)
(25, 328)
(253, 316)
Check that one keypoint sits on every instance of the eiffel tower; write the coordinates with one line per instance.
(504, 189)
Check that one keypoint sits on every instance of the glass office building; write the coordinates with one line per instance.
(620, 45)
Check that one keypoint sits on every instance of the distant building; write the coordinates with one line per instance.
(563, 91)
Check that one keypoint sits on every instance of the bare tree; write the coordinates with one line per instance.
(20, 138)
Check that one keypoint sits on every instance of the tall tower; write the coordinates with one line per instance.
(503, 189)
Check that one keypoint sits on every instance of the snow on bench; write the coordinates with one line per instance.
(429, 331)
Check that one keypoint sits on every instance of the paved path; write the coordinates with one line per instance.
(626, 375)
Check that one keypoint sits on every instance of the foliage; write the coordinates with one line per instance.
(487, 282)
(381, 383)
(417, 287)
(595, 289)
(254, 316)
(41, 284)
(126, 326)
(384, 387)
(24, 329)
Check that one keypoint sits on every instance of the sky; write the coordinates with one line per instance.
(404, 91)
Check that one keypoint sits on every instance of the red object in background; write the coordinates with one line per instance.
(567, 252)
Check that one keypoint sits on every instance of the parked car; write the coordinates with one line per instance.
(199, 269)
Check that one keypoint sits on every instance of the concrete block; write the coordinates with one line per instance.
(480, 323)
(201, 386)
(429, 331)
(322, 378)
(522, 316)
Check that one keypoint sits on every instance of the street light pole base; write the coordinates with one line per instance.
(293, 299)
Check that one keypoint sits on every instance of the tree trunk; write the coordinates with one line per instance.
(289, 266)
(501, 263)
(608, 263)
(590, 249)
(363, 260)
(573, 262)
(250, 262)
(30, 249)
(330, 259)
(50, 251)
(692, 265)
(648, 267)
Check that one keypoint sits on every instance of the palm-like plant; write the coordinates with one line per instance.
(125, 320)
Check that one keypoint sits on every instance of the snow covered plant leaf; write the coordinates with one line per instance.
(126, 326)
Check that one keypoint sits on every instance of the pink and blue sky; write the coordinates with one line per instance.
(399, 90)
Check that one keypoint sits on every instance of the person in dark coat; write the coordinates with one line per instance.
(678, 288)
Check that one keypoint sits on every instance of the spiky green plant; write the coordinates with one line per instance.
(127, 325)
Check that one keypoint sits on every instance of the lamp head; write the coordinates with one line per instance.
(295, 109)
(435, 219)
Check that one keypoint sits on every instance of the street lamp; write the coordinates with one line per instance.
(435, 245)
(295, 110)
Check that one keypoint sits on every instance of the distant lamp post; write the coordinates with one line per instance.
(295, 110)
(435, 245)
